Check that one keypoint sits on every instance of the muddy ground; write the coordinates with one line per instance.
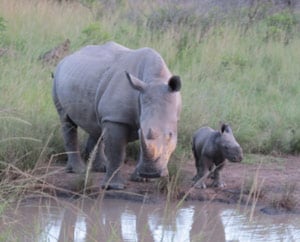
(273, 185)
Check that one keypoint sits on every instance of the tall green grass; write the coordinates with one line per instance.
(248, 77)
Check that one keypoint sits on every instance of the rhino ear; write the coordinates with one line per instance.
(225, 128)
(135, 82)
(174, 84)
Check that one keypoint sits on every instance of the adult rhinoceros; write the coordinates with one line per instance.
(121, 95)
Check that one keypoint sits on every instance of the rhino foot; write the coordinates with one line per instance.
(200, 184)
(199, 181)
(98, 168)
(115, 183)
(136, 178)
(78, 167)
(218, 184)
(113, 186)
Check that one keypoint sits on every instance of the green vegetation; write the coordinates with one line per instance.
(241, 68)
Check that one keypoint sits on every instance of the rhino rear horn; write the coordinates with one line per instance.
(174, 84)
(152, 134)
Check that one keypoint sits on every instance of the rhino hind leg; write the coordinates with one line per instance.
(69, 130)
(97, 156)
(115, 142)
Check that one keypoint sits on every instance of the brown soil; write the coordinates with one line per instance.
(272, 185)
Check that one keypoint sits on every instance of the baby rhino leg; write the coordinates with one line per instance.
(202, 166)
(217, 181)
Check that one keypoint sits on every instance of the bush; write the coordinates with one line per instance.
(2, 32)
(94, 33)
(2, 24)
(280, 26)
(170, 17)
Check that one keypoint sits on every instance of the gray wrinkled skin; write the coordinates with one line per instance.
(120, 95)
(210, 149)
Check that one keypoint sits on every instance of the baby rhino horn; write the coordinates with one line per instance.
(151, 134)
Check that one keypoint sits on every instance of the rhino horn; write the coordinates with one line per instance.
(147, 147)
(151, 150)
(151, 134)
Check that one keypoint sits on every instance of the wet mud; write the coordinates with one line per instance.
(270, 185)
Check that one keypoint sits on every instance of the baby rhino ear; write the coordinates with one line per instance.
(225, 128)
(174, 84)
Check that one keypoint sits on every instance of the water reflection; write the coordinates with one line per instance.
(238, 228)
(118, 220)
(177, 230)
(128, 226)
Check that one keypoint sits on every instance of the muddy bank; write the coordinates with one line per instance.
(272, 185)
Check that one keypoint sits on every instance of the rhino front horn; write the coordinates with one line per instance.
(147, 147)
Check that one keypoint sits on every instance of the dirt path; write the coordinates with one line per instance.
(273, 185)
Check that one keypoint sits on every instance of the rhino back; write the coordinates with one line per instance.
(92, 87)
(76, 80)
(204, 141)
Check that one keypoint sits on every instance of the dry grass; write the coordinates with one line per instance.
(287, 200)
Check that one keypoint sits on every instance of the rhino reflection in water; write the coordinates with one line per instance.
(119, 224)
(121, 95)
(116, 220)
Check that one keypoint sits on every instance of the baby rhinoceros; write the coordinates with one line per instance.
(210, 149)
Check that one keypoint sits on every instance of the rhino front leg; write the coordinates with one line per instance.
(217, 177)
(197, 164)
(69, 129)
(137, 178)
(99, 159)
(202, 166)
(115, 142)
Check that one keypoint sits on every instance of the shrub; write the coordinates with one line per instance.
(94, 33)
(280, 26)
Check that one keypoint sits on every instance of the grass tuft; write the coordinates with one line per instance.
(287, 200)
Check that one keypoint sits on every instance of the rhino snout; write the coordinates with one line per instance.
(150, 171)
(237, 157)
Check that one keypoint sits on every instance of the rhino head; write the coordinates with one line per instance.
(230, 148)
(159, 108)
